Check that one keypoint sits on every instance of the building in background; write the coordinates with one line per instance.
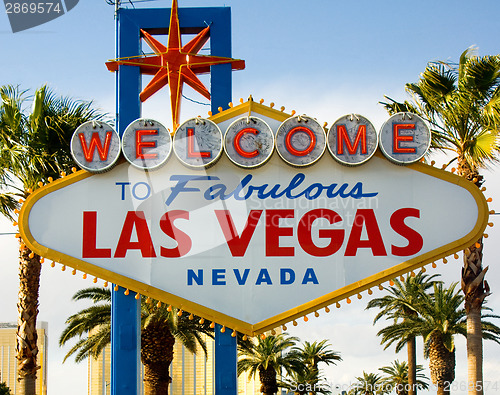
(8, 361)
(192, 374)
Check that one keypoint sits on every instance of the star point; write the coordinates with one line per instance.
(175, 65)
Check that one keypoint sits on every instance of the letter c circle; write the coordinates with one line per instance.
(237, 146)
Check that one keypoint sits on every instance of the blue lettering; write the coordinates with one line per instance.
(296, 181)
(239, 278)
(264, 191)
(357, 192)
(218, 276)
(310, 276)
(148, 191)
(287, 276)
(181, 185)
(263, 277)
(241, 185)
(123, 184)
(198, 278)
(308, 191)
(215, 191)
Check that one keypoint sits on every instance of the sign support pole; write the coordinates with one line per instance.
(221, 91)
(125, 309)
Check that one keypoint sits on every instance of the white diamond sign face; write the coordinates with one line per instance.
(254, 248)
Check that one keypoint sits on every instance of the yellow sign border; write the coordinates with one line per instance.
(291, 314)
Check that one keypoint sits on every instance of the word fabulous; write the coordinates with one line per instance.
(249, 142)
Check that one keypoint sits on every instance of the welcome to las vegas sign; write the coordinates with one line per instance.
(251, 218)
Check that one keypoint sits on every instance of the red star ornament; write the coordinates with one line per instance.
(175, 65)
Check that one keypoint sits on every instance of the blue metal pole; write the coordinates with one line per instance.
(125, 343)
(221, 91)
(225, 362)
(125, 310)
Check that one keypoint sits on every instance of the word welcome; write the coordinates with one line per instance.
(249, 142)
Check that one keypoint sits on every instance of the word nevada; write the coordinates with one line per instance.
(249, 142)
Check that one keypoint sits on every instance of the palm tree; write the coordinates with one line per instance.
(397, 377)
(401, 304)
(439, 318)
(314, 353)
(309, 379)
(91, 326)
(161, 326)
(369, 384)
(462, 104)
(267, 355)
(35, 147)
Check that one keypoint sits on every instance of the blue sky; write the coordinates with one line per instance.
(324, 58)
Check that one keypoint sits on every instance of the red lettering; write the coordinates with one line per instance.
(237, 146)
(343, 138)
(415, 240)
(288, 141)
(274, 232)
(336, 236)
(140, 144)
(237, 244)
(137, 220)
(191, 141)
(95, 142)
(365, 218)
(397, 138)
(89, 242)
(184, 242)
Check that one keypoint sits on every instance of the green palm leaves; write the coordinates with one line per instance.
(161, 327)
(272, 355)
(92, 325)
(396, 376)
(94, 321)
(313, 353)
(268, 354)
(462, 103)
(369, 384)
(35, 145)
(436, 316)
(400, 305)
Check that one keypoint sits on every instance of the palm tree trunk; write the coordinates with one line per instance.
(474, 352)
(441, 364)
(27, 306)
(412, 366)
(443, 389)
(156, 378)
(157, 353)
(268, 382)
(475, 289)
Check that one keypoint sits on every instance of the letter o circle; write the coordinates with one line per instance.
(300, 141)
